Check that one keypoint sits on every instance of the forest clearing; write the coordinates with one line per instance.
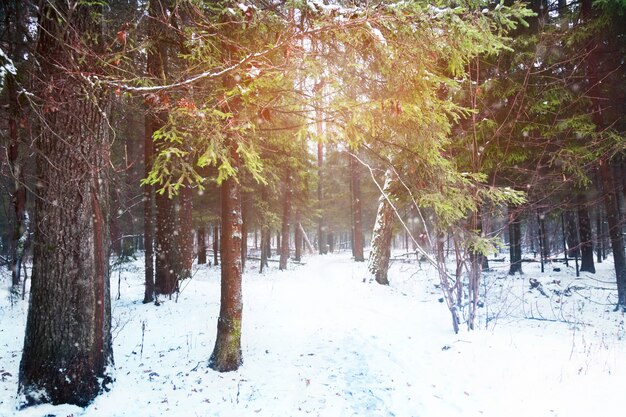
(312, 207)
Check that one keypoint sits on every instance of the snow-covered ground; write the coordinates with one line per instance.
(319, 341)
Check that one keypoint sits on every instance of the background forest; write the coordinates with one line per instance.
(173, 135)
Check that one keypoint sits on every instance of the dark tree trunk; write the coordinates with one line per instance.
(571, 234)
(378, 264)
(321, 228)
(599, 238)
(185, 232)
(584, 231)
(515, 242)
(216, 243)
(148, 209)
(542, 251)
(67, 345)
(544, 241)
(278, 232)
(244, 233)
(15, 21)
(226, 355)
(298, 239)
(154, 120)
(19, 234)
(617, 244)
(265, 244)
(201, 245)
(115, 233)
(284, 247)
(606, 175)
(168, 257)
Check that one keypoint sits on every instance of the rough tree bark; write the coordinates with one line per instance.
(67, 345)
(226, 355)
(378, 263)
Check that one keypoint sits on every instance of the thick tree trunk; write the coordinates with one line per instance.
(515, 242)
(378, 263)
(226, 355)
(67, 345)
(617, 244)
(168, 257)
(284, 247)
(584, 232)
(201, 245)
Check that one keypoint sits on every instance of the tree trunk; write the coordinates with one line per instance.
(265, 244)
(571, 234)
(515, 242)
(185, 232)
(542, 251)
(599, 237)
(284, 247)
(201, 245)
(15, 13)
(244, 233)
(584, 231)
(20, 232)
(168, 256)
(321, 228)
(226, 355)
(154, 120)
(606, 176)
(378, 263)
(67, 345)
(148, 208)
(298, 239)
(617, 244)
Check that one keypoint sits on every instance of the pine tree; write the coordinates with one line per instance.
(67, 346)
